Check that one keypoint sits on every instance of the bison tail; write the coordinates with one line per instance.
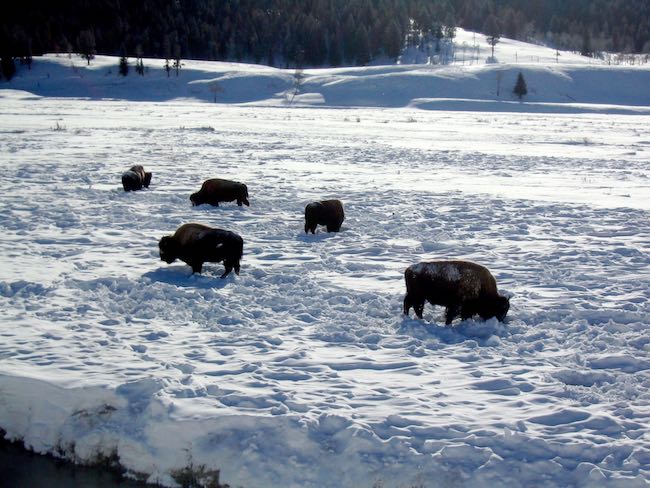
(407, 304)
(409, 278)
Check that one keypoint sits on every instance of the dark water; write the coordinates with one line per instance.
(23, 469)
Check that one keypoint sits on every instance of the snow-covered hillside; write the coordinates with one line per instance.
(302, 371)
(568, 83)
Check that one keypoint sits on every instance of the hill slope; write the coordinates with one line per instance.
(555, 83)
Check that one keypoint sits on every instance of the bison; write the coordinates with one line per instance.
(135, 178)
(218, 190)
(326, 212)
(464, 288)
(196, 244)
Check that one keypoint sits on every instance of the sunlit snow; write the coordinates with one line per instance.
(302, 371)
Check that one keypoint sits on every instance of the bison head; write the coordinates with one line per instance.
(495, 307)
(168, 249)
(502, 305)
(313, 212)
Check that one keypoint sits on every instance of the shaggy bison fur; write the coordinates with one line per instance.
(135, 178)
(327, 212)
(196, 244)
(218, 190)
(462, 287)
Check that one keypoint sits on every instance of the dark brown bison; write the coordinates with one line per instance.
(196, 244)
(326, 212)
(462, 287)
(135, 178)
(217, 190)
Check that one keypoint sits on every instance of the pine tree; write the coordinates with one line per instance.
(124, 66)
(520, 87)
(139, 65)
(363, 46)
(392, 40)
(86, 45)
(177, 58)
(167, 54)
(335, 51)
(586, 49)
(492, 30)
(8, 67)
(28, 56)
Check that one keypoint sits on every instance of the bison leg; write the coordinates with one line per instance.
(239, 203)
(333, 228)
(226, 271)
(419, 308)
(451, 312)
(466, 312)
(411, 300)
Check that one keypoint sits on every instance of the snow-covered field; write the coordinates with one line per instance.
(302, 371)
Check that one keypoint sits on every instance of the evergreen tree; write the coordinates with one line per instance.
(393, 40)
(450, 27)
(350, 47)
(177, 58)
(327, 30)
(586, 49)
(520, 88)
(124, 66)
(363, 46)
(492, 31)
(139, 65)
(335, 49)
(86, 45)
(28, 59)
(8, 67)
(167, 54)
(438, 34)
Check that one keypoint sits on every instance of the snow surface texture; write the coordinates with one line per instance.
(302, 371)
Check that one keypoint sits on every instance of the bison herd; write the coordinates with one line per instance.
(464, 288)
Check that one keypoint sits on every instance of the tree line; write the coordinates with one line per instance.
(275, 32)
(588, 26)
(297, 33)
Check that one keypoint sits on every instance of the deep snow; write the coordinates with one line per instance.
(302, 371)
